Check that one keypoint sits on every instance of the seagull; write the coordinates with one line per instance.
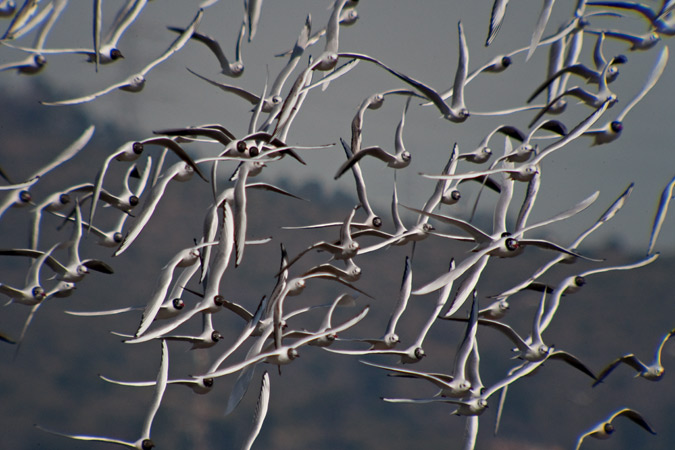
(329, 58)
(390, 338)
(483, 152)
(661, 20)
(261, 406)
(398, 160)
(180, 171)
(341, 300)
(144, 442)
(604, 430)
(506, 245)
(535, 350)
(20, 196)
(21, 19)
(131, 151)
(231, 69)
(183, 258)
(638, 41)
(286, 353)
(457, 111)
(575, 282)
(252, 16)
(198, 385)
(346, 248)
(497, 19)
(476, 403)
(75, 269)
(612, 130)
(651, 372)
(32, 293)
(348, 16)
(597, 100)
(373, 221)
(108, 50)
(660, 215)
(136, 82)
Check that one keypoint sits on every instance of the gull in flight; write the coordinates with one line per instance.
(20, 196)
(661, 20)
(144, 442)
(231, 69)
(612, 130)
(604, 430)
(660, 215)
(398, 160)
(136, 82)
(652, 372)
(456, 111)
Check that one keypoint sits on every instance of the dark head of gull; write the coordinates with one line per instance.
(511, 244)
(616, 126)
(609, 428)
(38, 293)
(216, 336)
(116, 54)
(377, 222)
(241, 146)
(24, 197)
(219, 300)
(147, 444)
(118, 237)
(579, 281)
(137, 148)
(178, 303)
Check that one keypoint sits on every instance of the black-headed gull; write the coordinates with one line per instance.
(231, 69)
(612, 130)
(136, 82)
(604, 429)
(144, 442)
(653, 371)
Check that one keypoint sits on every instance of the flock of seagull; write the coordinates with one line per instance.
(267, 332)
